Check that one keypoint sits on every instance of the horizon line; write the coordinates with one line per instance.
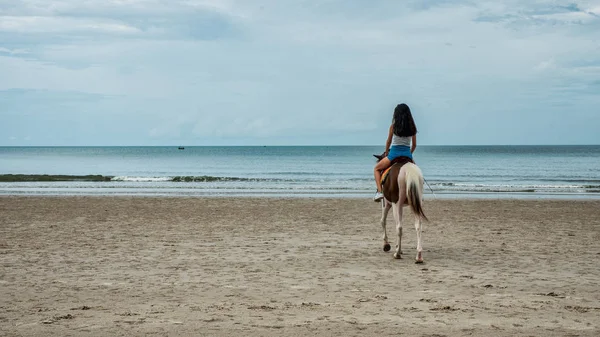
(295, 145)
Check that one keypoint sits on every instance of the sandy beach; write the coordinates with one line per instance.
(115, 266)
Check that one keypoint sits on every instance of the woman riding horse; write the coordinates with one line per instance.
(402, 137)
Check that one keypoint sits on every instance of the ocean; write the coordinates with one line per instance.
(297, 171)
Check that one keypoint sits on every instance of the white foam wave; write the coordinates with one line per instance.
(141, 179)
(544, 186)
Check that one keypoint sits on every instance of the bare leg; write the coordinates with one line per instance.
(382, 165)
(385, 208)
(419, 258)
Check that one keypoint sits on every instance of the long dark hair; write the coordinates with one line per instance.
(404, 125)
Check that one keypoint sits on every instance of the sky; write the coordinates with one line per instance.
(297, 72)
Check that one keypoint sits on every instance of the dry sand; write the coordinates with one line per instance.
(114, 266)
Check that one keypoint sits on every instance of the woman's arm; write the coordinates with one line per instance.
(389, 139)
(413, 144)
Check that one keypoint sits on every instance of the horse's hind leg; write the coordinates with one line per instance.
(385, 208)
(397, 210)
(419, 258)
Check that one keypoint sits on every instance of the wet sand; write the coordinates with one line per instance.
(113, 266)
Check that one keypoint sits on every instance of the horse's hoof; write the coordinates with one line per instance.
(387, 247)
(419, 258)
(397, 257)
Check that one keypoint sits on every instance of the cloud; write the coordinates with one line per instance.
(538, 14)
(546, 65)
(13, 52)
(302, 71)
(57, 25)
(69, 21)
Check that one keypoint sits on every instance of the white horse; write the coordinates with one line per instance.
(410, 189)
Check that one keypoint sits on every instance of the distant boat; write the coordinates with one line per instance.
(181, 148)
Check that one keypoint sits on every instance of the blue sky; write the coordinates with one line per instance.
(274, 72)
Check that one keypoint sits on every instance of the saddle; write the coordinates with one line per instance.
(389, 178)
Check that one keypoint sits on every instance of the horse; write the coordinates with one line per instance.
(403, 186)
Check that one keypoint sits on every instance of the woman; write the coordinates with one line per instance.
(402, 137)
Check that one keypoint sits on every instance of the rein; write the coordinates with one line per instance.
(431, 189)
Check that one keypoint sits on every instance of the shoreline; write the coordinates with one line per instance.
(528, 196)
(105, 266)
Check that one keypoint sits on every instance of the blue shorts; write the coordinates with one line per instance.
(399, 151)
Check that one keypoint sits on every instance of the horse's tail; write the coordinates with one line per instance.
(414, 188)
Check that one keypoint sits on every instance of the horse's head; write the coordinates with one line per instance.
(379, 156)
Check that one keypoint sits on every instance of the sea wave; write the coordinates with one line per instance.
(518, 187)
(12, 183)
(184, 179)
(51, 177)
(100, 178)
